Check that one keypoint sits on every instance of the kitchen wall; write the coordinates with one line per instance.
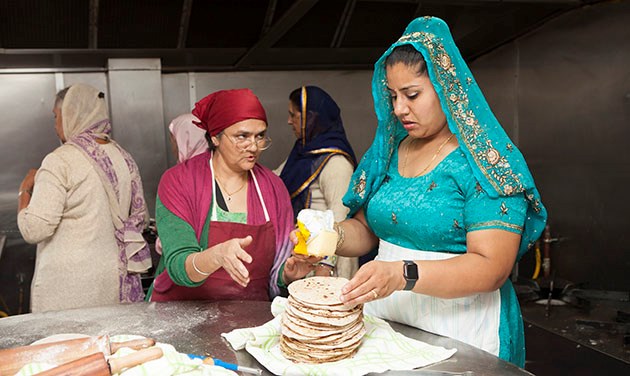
(562, 92)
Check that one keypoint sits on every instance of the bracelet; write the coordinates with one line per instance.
(341, 234)
(331, 269)
(29, 191)
(196, 268)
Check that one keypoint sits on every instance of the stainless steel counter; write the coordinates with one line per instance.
(195, 327)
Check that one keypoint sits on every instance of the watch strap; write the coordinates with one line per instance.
(410, 282)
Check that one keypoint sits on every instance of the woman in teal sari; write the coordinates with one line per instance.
(445, 196)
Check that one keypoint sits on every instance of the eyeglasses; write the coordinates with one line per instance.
(243, 143)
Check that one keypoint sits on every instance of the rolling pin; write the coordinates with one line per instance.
(56, 353)
(96, 365)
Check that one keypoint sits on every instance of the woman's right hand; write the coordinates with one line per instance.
(230, 256)
(293, 236)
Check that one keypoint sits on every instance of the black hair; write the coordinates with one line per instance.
(211, 146)
(60, 96)
(409, 56)
(296, 97)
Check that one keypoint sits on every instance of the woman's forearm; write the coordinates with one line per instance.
(200, 265)
(357, 238)
(484, 268)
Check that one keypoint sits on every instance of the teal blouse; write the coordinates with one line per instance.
(433, 212)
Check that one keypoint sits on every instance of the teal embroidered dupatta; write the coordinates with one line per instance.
(497, 163)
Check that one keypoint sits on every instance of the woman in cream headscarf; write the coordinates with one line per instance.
(84, 256)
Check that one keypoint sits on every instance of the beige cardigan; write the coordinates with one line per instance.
(69, 218)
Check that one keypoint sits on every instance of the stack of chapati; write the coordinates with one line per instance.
(316, 326)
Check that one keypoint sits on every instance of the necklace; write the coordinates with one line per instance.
(228, 194)
(432, 158)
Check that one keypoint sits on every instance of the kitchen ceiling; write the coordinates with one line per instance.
(237, 35)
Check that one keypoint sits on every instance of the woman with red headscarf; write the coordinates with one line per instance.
(224, 220)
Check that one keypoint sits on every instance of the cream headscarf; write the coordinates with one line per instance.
(82, 107)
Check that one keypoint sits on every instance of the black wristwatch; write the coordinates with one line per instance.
(410, 272)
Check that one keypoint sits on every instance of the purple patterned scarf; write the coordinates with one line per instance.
(134, 255)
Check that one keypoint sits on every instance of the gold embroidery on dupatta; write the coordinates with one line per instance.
(497, 170)
(331, 150)
(310, 179)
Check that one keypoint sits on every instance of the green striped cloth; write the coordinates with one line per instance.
(172, 363)
(382, 349)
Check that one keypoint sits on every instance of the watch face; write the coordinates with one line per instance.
(411, 270)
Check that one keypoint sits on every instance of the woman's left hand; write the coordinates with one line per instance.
(298, 266)
(374, 280)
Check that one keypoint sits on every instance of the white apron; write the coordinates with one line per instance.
(473, 319)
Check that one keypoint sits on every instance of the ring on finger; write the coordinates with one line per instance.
(374, 294)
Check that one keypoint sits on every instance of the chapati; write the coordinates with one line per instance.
(316, 327)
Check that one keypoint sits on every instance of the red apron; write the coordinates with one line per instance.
(219, 285)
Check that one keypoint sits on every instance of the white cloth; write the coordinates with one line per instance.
(69, 219)
(473, 319)
(382, 349)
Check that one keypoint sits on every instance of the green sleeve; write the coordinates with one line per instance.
(178, 241)
(284, 292)
(280, 281)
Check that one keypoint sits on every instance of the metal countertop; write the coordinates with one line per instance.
(195, 327)
(565, 321)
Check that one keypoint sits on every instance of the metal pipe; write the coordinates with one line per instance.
(546, 265)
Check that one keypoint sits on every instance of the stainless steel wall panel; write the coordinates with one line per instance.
(27, 134)
(498, 76)
(175, 94)
(573, 116)
(138, 117)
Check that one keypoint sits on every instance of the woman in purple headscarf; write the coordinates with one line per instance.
(223, 219)
(85, 257)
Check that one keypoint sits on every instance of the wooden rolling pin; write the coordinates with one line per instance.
(57, 353)
(96, 365)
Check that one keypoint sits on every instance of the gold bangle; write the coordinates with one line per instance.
(341, 234)
(195, 266)
(331, 269)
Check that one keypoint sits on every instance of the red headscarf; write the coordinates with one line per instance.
(224, 108)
